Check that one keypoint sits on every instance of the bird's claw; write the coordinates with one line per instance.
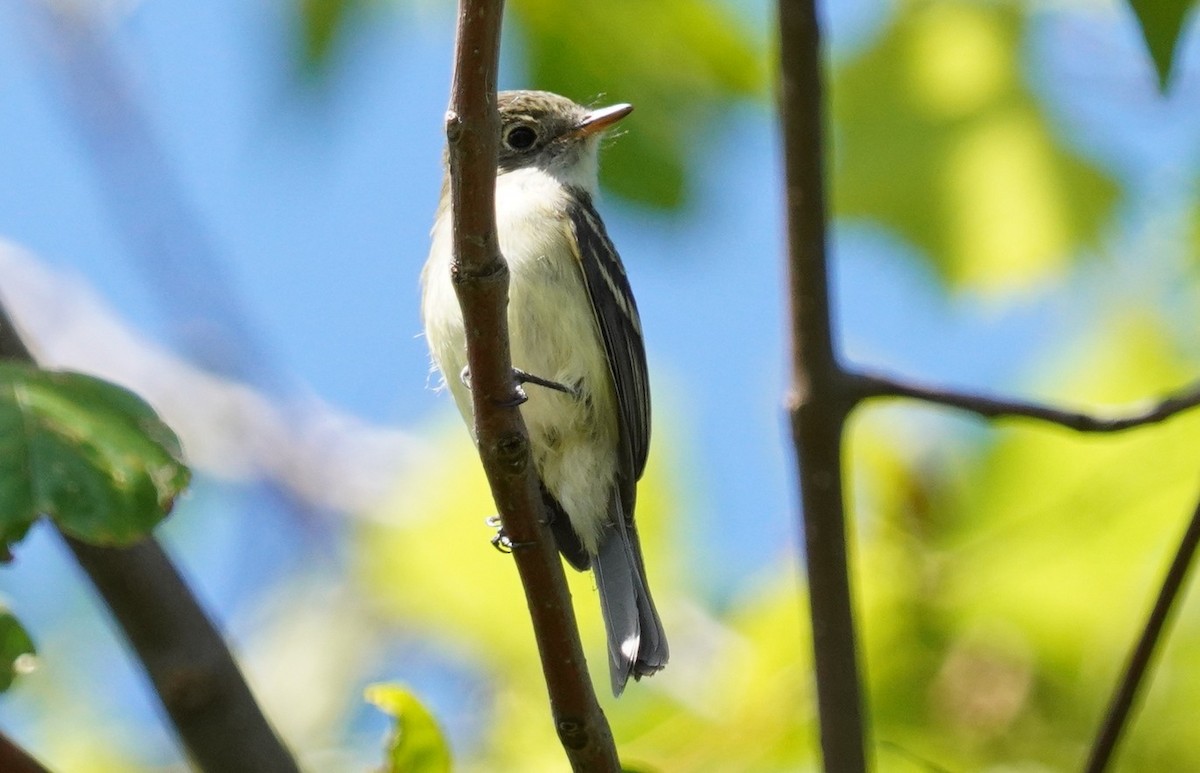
(519, 398)
(500, 540)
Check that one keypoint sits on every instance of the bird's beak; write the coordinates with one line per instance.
(600, 119)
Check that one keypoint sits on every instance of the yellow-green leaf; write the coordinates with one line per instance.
(416, 744)
(938, 138)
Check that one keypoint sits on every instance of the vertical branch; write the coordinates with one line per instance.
(1126, 694)
(820, 398)
(193, 673)
(481, 282)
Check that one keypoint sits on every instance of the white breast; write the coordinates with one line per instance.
(554, 335)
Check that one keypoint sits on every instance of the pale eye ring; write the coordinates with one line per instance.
(520, 137)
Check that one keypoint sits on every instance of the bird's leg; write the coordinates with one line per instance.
(521, 377)
(500, 539)
(528, 378)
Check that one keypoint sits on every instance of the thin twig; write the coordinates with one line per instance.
(481, 282)
(1126, 694)
(1123, 699)
(192, 671)
(873, 385)
(818, 401)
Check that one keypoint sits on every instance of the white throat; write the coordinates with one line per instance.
(578, 167)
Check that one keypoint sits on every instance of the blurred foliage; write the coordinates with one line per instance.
(937, 137)
(716, 708)
(1006, 580)
(1161, 22)
(416, 743)
(1002, 574)
(91, 455)
(1002, 577)
(16, 648)
(321, 21)
(680, 62)
(935, 133)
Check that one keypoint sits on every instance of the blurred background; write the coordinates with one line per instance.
(225, 206)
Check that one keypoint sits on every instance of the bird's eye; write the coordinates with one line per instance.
(520, 138)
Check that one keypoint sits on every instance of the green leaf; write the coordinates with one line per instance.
(416, 744)
(679, 62)
(1161, 22)
(16, 649)
(938, 138)
(91, 455)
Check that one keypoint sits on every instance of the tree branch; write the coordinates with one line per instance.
(14, 759)
(192, 671)
(194, 674)
(819, 399)
(1126, 693)
(867, 386)
(481, 282)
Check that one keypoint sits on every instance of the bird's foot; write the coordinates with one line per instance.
(521, 377)
(500, 540)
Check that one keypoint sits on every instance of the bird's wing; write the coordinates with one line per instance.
(621, 328)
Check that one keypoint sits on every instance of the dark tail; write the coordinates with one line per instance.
(637, 644)
(564, 535)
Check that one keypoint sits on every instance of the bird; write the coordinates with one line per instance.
(576, 343)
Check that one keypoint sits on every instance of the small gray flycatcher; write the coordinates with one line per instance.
(577, 338)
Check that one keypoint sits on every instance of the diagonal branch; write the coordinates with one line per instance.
(866, 385)
(1126, 694)
(192, 671)
(819, 400)
(481, 282)
(14, 759)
